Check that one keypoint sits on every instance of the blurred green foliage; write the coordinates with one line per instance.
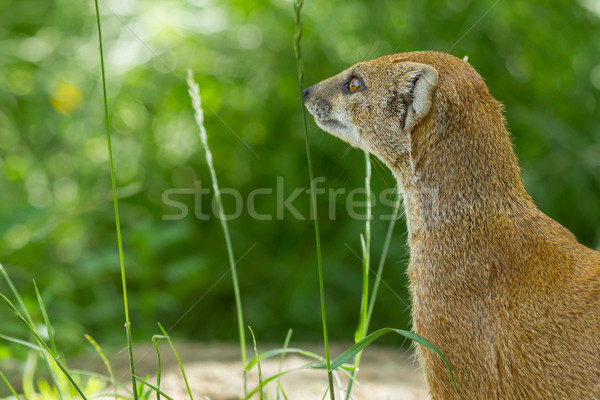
(540, 58)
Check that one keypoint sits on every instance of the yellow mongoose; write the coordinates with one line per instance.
(506, 293)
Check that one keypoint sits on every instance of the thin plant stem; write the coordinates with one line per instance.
(7, 383)
(313, 199)
(116, 206)
(98, 349)
(51, 338)
(16, 294)
(279, 387)
(52, 374)
(159, 372)
(46, 319)
(384, 252)
(28, 375)
(260, 378)
(187, 385)
(286, 343)
(194, 93)
(361, 332)
(151, 386)
(365, 239)
(103, 378)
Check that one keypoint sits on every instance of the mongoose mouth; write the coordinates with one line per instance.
(331, 125)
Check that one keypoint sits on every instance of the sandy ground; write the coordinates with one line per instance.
(214, 372)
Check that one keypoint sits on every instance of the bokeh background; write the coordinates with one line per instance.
(540, 58)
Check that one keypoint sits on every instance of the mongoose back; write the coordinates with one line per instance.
(505, 292)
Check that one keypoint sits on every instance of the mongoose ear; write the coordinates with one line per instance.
(419, 85)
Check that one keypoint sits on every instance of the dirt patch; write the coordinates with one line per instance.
(214, 372)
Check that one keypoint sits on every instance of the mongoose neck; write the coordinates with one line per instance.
(462, 178)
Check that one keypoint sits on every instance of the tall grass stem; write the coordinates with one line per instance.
(51, 339)
(286, 343)
(361, 330)
(260, 378)
(159, 370)
(7, 383)
(194, 93)
(313, 199)
(384, 252)
(187, 385)
(151, 386)
(15, 293)
(377, 281)
(98, 349)
(116, 206)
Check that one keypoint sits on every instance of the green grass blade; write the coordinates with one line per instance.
(7, 383)
(41, 351)
(57, 384)
(365, 241)
(54, 353)
(25, 322)
(280, 388)
(384, 252)
(102, 397)
(16, 294)
(43, 344)
(46, 319)
(166, 396)
(28, 375)
(377, 281)
(187, 385)
(103, 378)
(194, 92)
(358, 347)
(313, 199)
(68, 375)
(116, 206)
(276, 376)
(140, 387)
(275, 352)
(260, 379)
(105, 360)
(286, 343)
(366, 250)
(159, 371)
(361, 328)
(21, 342)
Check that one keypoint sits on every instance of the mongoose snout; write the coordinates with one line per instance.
(306, 93)
(320, 108)
(505, 292)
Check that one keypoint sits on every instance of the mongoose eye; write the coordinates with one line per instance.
(354, 84)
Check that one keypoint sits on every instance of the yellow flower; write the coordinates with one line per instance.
(65, 98)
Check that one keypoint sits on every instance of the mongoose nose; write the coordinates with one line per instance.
(307, 93)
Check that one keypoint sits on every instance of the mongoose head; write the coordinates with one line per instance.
(374, 105)
(421, 113)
